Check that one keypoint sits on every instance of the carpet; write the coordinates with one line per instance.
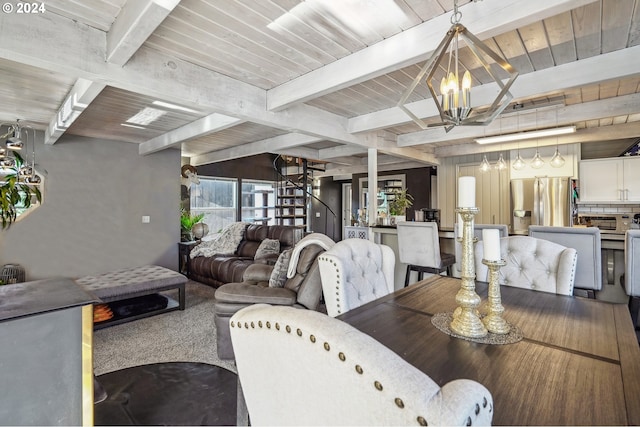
(176, 336)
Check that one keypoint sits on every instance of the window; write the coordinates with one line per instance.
(258, 201)
(216, 198)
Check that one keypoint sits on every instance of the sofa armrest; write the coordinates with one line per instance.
(257, 273)
(245, 293)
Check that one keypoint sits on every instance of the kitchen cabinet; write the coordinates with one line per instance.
(610, 180)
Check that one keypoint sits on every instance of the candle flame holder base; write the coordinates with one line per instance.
(493, 321)
(466, 321)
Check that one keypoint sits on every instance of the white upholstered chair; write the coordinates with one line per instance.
(632, 271)
(477, 233)
(300, 367)
(586, 242)
(419, 248)
(532, 263)
(354, 272)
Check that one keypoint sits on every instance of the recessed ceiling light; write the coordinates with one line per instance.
(132, 126)
(146, 116)
(174, 106)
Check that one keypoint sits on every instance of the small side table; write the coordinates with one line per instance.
(184, 248)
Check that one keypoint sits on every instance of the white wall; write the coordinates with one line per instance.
(96, 192)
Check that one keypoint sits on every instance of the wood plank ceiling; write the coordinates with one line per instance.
(316, 78)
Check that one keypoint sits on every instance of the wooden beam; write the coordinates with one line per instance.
(212, 123)
(599, 134)
(486, 19)
(610, 66)
(358, 169)
(133, 25)
(69, 47)
(277, 144)
(529, 120)
(79, 97)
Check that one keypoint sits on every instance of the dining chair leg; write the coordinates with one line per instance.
(406, 277)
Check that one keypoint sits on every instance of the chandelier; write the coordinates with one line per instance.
(455, 103)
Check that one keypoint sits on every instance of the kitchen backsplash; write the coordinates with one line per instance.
(584, 208)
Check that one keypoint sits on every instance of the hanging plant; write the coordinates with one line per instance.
(15, 193)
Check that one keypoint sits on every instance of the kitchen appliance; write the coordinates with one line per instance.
(431, 215)
(635, 222)
(541, 201)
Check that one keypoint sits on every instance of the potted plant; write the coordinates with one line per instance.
(187, 221)
(15, 193)
(402, 200)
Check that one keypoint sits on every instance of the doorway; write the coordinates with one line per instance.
(346, 207)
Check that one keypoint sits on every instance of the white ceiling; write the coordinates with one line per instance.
(317, 84)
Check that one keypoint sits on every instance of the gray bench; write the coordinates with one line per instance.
(135, 282)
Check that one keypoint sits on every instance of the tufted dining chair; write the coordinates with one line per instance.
(586, 242)
(300, 367)
(503, 229)
(419, 248)
(532, 263)
(354, 272)
(632, 272)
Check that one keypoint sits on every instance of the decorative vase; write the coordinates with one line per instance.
(199, 230)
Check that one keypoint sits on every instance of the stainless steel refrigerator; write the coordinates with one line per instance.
(541, 201)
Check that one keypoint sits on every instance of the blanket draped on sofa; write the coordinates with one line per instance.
(225, 244)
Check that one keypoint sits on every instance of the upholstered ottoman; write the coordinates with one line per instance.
(132, 285)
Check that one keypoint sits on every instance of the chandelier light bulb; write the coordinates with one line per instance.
(501, 164)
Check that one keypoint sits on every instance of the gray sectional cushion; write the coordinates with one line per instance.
(267, 247)
(279, 273)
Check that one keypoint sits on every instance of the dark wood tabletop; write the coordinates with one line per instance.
(578, 364)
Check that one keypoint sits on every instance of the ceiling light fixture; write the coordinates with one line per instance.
(455, 107)
(557, 161)
(526, 135)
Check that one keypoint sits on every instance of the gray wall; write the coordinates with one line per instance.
(95, 194)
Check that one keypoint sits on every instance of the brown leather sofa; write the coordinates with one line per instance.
(220, 269)
(303, 290)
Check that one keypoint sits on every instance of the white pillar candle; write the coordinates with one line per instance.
(491, 244)
(467, 192)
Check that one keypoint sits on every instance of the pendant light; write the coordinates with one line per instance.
(518, 163)
(501, 164)
(455, 101)
(537, 161)
(557, 161)
(485, 166)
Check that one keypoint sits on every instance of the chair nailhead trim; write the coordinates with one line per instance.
(327, 346)
(422, 421)
(399, 403)
(359, 369)
(341, 356)
(377, 385)
(288, 328)
(312, 338)
(299, 332)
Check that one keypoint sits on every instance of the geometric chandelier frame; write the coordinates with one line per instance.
(455, 104)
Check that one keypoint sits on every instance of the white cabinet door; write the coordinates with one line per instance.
(601, 180)
(631, 189)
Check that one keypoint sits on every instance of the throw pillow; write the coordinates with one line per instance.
(279, 272)
(267, 247)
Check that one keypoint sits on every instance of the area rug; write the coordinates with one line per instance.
(174, 393)
(176, 336)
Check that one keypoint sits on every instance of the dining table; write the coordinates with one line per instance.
(577, 361)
